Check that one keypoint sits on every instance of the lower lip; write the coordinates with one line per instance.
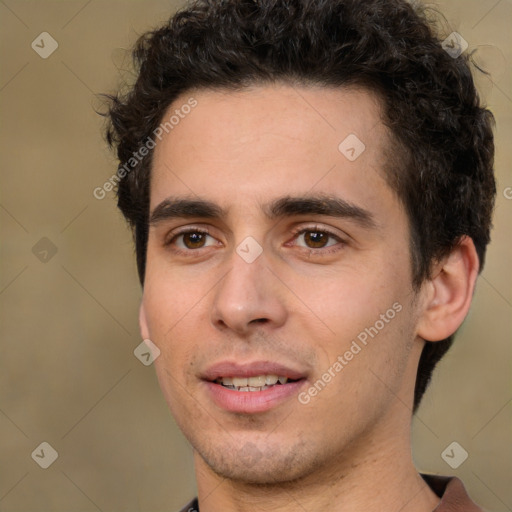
(248, 402)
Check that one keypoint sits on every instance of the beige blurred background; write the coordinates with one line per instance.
(68, 375)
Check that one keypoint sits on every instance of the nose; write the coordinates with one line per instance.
(248, 296)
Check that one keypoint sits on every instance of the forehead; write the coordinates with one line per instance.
(264, 140)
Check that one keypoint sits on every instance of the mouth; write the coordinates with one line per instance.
(253, 387)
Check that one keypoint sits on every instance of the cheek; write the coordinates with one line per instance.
(174, 328)
(369, 328)
(362, 371)
(168, 296)
(348, 301)
(166, 310)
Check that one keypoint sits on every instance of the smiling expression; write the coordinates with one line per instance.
(269, 251)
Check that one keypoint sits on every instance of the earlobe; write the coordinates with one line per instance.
(449, 292)
(143, 324)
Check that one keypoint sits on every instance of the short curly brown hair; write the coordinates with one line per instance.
(444, 173)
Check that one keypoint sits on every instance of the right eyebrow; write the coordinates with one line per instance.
(171, 208)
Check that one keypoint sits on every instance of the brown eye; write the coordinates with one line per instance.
(316, 239)
(189, 242)
(319, 241)
(194, 240)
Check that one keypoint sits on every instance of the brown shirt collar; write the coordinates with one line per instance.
(450, 490)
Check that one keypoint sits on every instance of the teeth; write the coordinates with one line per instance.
(257, 383)
(238, 381)
(250, 388)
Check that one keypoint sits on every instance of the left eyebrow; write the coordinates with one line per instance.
(320, 205)
(184, 207)
(178, 207)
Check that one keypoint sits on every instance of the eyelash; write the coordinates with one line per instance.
(295, 232)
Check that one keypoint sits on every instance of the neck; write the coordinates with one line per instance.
(375, 475)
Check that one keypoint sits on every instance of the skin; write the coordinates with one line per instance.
(298, 303)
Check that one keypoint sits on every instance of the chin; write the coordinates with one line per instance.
(256, 475)
(251, 466)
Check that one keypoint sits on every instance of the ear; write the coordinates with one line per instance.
(448, 293)
(143, 324)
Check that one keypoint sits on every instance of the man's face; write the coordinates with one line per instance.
(328, 282)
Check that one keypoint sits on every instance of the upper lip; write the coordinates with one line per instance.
(252, 369)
